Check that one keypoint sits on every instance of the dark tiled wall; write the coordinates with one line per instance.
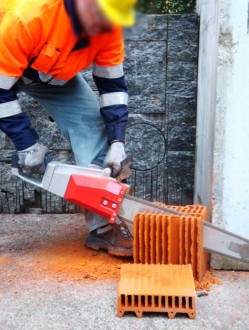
(161, 66)
(161, 73)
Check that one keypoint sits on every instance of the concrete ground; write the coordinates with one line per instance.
(48, 280)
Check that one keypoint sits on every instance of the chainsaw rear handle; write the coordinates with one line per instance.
(125, 170)
(17, 171)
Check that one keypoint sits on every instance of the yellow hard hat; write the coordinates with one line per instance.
(121, 12)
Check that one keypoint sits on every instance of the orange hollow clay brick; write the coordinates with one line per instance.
(156, 288)
(171, 239)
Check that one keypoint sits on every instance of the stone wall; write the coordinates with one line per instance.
(161, 73)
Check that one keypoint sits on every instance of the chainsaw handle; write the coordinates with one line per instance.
(17, 171)
(125, 170)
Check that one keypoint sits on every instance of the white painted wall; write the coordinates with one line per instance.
(231, 193)
(228, 153)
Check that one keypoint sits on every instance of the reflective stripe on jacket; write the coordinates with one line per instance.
(43, 41)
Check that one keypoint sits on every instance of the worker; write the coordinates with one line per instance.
(44, 46)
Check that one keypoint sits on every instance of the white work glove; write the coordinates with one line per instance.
(32, 159)
(114, 157)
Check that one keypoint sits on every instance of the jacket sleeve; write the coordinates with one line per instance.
(16, 45)
(109, 78)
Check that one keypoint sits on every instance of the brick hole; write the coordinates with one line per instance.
(150, 299)
(136, 301)
(122, 299)
(170, 302)
(156, 301)
(142, 301)
(190, 303)
(163, 301)
(129, 300)
(184, 302)
(177, 302)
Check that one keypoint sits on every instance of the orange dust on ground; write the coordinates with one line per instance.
(207, 282)
(60, 254)
(71, 260)
(62, 258)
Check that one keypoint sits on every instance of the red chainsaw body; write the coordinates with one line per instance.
(103, 196)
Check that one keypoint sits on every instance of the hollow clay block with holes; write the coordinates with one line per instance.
(171, 239)
(165, 289)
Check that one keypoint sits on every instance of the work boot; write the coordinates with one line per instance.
(116, 239)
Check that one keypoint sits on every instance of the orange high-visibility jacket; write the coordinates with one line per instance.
(43, 41)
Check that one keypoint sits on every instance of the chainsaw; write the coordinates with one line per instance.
(95, 190)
